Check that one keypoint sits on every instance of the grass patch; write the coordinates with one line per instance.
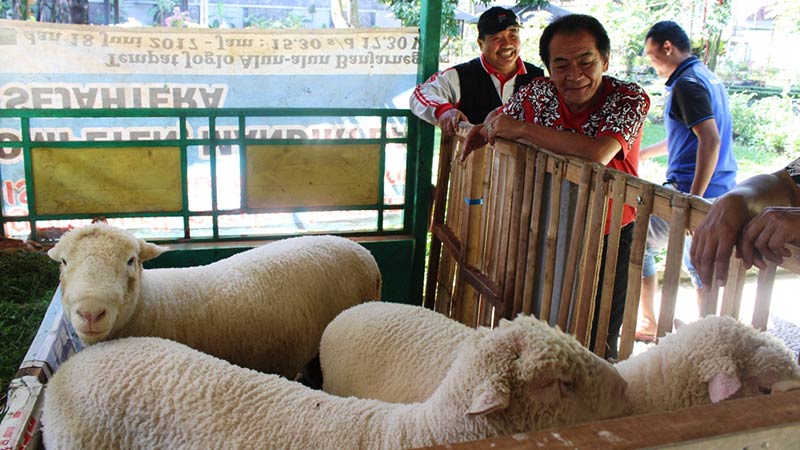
(752, 160)
(653, 133)
(27, 282)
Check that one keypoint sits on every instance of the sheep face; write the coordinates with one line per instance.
(734, 360)
(101, 269)
(544, 378)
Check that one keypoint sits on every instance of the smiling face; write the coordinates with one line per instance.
(577, 67)
(501, 50)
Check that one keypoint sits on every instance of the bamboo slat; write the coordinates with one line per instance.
(593, 239)
(556, 181)
(578, 224)
(644, 201)
(732, 296)
(766, 279)
(611, 256)
(523, 233)
(532, 255)
(672, 270)
(508, 309)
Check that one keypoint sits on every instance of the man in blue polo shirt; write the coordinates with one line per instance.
(699, 144)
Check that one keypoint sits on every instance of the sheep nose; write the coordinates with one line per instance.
(92, 317)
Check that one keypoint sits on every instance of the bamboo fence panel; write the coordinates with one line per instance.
(507, 239)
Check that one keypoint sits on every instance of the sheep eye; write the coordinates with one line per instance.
(130, 261)
(63, 261)
(764, 390)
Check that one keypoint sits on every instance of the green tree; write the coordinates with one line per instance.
(787, 17)
(627, 23)
(408, 13)
(717, 14)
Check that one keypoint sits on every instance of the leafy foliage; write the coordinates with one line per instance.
(162, 9)
(408, 13)
(787, 16)
(767, 123)
(27, 283)
(291, 21)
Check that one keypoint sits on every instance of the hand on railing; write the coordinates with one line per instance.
(496, 125)
(476, 138)
(450, 121)
(765, 237)
(758, 240)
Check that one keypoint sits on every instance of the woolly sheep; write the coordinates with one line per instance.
(150, 393)
(388, 351)
(707, 361)
(264, 308)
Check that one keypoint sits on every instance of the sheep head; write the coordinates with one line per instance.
(536, 376)
(734, 360)
(101, 268)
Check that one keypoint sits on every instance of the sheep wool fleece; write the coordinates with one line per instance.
(707, 361)
(150, 393)
(388, 351)
(264, 308)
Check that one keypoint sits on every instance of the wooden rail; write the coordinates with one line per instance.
(770, 421)
(519, 229)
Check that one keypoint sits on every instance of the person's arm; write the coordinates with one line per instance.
(598, 149)
(435, 101)
(622, 118)
(651, 151)
(708, 145)
(724, 226)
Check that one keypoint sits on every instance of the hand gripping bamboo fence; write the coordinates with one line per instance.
(519, 229)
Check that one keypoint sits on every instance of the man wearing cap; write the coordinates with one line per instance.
(469, 91)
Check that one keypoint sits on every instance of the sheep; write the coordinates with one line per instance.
(707, 361)
(150, 393)
(388, 351)
(264, 308)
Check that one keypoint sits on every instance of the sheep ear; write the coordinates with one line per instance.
(149, 251)
(504, 323)
(489, 398)
(678, 323)
(54, 254)
(722, 386)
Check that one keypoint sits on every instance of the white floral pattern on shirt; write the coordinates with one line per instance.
(622, 113)
(794, 170)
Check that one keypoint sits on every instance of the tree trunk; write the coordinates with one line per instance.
(716, 45)
(355, 21)
(337, 15)
(79, 11)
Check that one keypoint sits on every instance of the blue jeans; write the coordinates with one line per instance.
(657, 238)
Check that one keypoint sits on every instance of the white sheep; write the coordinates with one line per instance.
(150, 393)
(707, 361)
(388, 351)
(264, 308)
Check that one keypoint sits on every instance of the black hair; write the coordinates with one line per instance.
(668, 30)
(571, 24)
